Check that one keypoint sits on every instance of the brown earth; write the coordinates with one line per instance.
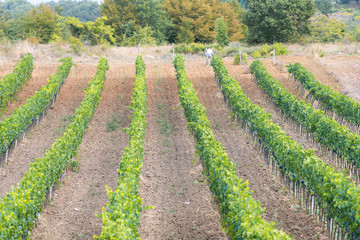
(171, 180)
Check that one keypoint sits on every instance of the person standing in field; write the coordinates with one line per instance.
(209, 53)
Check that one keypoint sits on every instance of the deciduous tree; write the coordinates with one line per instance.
(40, 23)
(278, 20)
(198, 17)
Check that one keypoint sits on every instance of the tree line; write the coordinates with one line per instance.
(150, 22)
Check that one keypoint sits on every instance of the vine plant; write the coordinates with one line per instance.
(12, 83)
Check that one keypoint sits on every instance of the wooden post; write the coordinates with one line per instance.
(6, 155)
(34, 51)
(274, 59)
(206, 56)
(239, 52)
(173, 51)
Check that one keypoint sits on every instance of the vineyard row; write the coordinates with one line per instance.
(121, 217)
(12, 83)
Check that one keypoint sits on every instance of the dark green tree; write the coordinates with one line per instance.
(324, 6)
(278, 20)
(222, 37)
(119, 13)
(16, 7)
(151, 13)
(84, 10)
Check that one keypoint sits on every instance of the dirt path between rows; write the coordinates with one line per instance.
(41, 137)
(346, 72)
(6, 67)
(280, 206)
(170, 180)
(83, 194)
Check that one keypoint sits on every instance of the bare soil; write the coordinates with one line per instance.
(172, 180)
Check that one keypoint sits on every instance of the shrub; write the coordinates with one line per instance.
(256, 54)
(280, 49)
(265, 49)
(194, 48)
(197, 48)
(231, 50)
(236, 59)
(244, 58)
(324, 29)
(182, 48)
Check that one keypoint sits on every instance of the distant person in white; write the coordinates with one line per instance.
(209, 54)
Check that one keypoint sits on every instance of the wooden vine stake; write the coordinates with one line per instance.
(173, 48)
(274, 58)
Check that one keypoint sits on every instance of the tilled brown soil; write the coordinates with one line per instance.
(6, 67)
(280, 207)
(172, 180)
(41, 137)
(82, 196)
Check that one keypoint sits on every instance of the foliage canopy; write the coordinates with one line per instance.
(278, 20)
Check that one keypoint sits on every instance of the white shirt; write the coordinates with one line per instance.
(209, 52)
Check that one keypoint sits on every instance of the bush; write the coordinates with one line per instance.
(256, 54)
(194, 48)
(236, 59)
(76, 45)
(265, 49)
(324, 29)
(244, 58)
(357, 35)
(197, 48)
(182, 48)
(280, 49)
(231, 50)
